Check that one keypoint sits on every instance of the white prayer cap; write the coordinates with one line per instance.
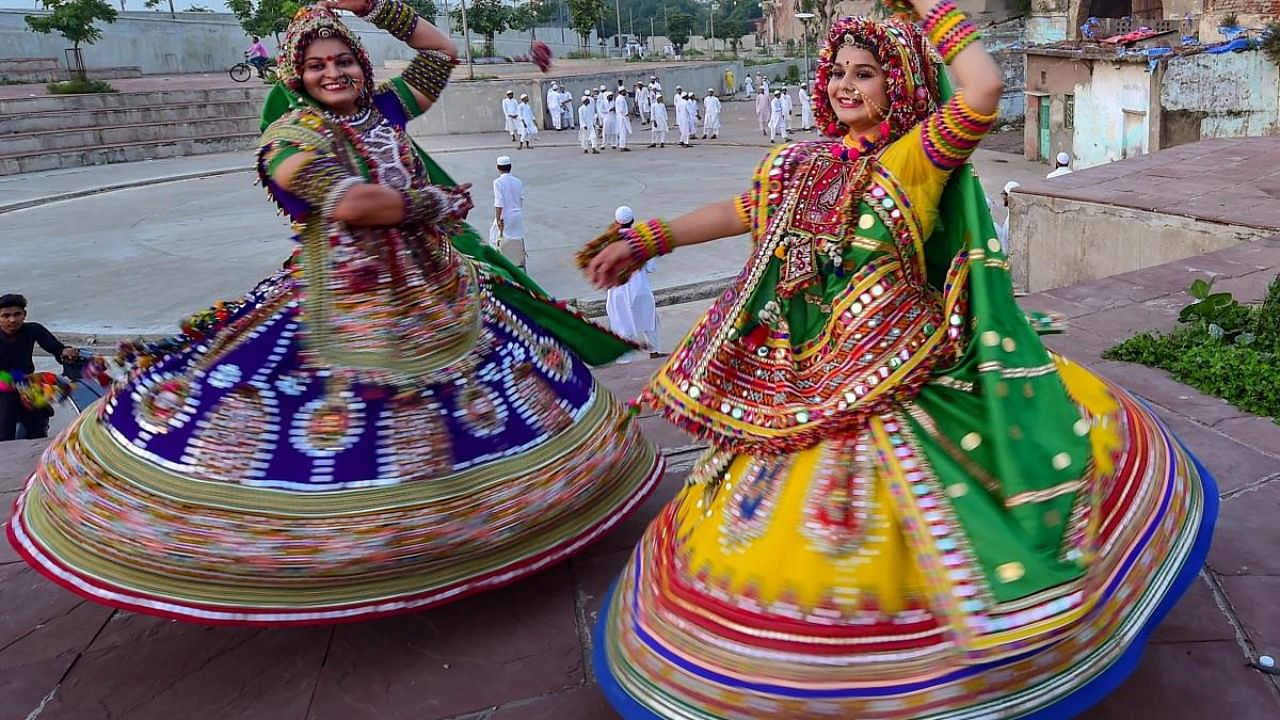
(624, 215)
(504, 160)
(602, 87)
(711, 90)
(1011, 186)
(1064, 159)
(510, 93)
(524, 97)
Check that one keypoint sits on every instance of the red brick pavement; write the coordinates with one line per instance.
(523, 653)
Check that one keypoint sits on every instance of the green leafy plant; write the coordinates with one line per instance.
(484, 17)
(583, 16)
(1222, 347)
(75, 20)
(1271, 42)
(80, 86)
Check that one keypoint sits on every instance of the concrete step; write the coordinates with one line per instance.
(88, 138)
(125, 152)
(99, 101)
(53, 120)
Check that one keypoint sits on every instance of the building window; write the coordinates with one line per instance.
(1069, 112)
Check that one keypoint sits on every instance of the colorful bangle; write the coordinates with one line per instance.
(950, 30)
(648, 240)
(429, 72)
(424, 206)
(394, 16)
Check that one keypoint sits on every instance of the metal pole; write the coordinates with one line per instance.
(617, 11)
(466, 39)
(712, 5)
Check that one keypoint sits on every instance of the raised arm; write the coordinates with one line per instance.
(976, 73)
(710, 222)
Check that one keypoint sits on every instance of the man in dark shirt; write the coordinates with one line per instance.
(18, 339)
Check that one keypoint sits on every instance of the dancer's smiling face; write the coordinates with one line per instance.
(332, 75)
(858, 89)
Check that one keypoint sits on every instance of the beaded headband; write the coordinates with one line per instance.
(909, 64)
(313, 23)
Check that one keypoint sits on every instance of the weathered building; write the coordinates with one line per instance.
(1101, 107)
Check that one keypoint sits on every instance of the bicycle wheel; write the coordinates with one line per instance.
(240, 72)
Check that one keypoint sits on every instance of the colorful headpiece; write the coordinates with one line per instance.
(909, 64)
(309, 24)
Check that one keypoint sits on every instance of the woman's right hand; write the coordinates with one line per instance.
(605, 268)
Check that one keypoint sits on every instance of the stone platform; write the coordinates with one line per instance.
(1144, 211)
(523, 653)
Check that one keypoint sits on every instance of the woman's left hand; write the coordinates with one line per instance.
(357, 7)
(605, 269)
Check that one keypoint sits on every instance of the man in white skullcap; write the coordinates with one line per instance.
(603, 103)
(1002, 232)
(553, 106)
(566, 107)
(610, 119)
(658, 129)
(526, 125)
(786, 111)
(507, 231)
(632, 310)
(806, 107)
(587, 136)
(1062, 166)
(622, 120)
(776, 124)
(511, 114)
(710, 115)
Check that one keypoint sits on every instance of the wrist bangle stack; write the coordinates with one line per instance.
(950, 30)
(394, 16)
(429, 72)
(425, 206)
(648, 240)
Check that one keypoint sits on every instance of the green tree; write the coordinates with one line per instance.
(824, 9)
(74, 20)
(528, 15)
(735, 18)
(265, 17)
(426, 9)
(679, 27)
(583, 16)
(485, 17)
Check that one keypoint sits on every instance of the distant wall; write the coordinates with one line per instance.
(1195, 103)
(212, 42)
(1078, 241)
(1112, 114)
(476, 107)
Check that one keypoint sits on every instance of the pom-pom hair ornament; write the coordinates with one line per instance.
(539, 55)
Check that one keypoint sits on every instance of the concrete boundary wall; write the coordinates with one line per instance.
(212, 42)
(476, 106)
(1056, 242)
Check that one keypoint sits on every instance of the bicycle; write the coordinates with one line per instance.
(242, 71)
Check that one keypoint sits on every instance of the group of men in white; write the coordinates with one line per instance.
(603, 117)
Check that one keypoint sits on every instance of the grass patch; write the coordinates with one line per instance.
(1222, 348)
(80, 87)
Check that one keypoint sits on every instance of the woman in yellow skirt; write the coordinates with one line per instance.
(910, 508)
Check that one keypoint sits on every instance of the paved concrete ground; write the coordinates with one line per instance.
(523, 653)
(136, 260)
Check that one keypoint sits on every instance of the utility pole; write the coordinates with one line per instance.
(466, 38)
(617, 38)
(711, 16)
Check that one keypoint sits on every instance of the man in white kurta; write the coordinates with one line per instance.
(527, 126)
(604, 102)
(507, 231)
(776, 127)
(749, 87)
(622, 119)
(658, 128)
(643, 101)
(566, 107)
(632, 310)
(806, 109)
(762, 110)
(786, 110)
(511, 114)
(553, 106)
(710, 115)
(587, 136)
